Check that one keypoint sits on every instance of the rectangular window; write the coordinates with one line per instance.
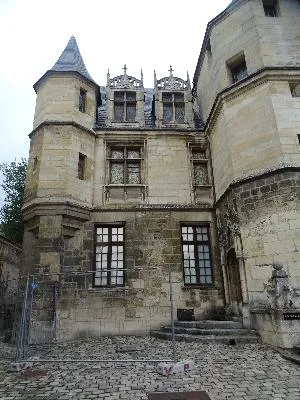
(197, 268)
(270, 8)
(125, 165)
(82, 100)
(173, 107)
(200, 170)
(109, 253)
(81, 166)
(238, 70)
(124, 106)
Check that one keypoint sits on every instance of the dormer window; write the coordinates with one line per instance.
(173, 107)
(124, 106)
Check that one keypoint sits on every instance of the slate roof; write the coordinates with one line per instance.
(71, 61)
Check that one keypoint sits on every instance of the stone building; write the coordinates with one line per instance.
(127, 183)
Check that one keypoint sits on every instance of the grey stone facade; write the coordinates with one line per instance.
(127, 183)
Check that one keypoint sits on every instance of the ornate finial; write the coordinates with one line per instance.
(125, 69)
(155, 79)
(108, 77)
(171, 70)
(188, 79)
(142, 76)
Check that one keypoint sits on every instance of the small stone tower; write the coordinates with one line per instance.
(60, 168)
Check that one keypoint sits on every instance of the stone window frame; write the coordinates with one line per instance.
(82, 100)
(237, 67)
(142, 187)
(126, 161)
(81, 171)
(103, 276)
(200, 264)
(174, 105)
(125, 102)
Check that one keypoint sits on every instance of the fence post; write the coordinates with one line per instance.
(172, 315)
(21, 338)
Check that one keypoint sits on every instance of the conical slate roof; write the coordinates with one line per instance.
(71, 61)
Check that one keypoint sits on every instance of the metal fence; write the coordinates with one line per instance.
(39, 310)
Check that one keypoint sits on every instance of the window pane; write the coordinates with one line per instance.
(119, 112)
(101, 249)
(130, 112)
(179, 112)
(167, 97)
(133, 153)
(187, 233)
(119, 96)
(109, 258)
(199, 270)
(198, 155)
(120, 234)
(200, 174)
(130, 96)
(116, 173)
(133, 171)
(178, 97)
(117, 153)
(239, 71)
(202, 238)
(167, 112)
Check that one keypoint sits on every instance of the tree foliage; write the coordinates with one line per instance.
(14, 174)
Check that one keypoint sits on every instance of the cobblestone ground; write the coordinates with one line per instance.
(241, 372)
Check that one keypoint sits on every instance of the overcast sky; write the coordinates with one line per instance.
(143, 34)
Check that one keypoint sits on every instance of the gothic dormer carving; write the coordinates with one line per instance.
(173, 101)
(125, 100)
(171, 82)
(124, 81)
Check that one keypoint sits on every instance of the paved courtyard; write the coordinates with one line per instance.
(244, 371)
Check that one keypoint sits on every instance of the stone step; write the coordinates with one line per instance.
(290, 354)
(209, 324)
(216, 331)
(249, 338)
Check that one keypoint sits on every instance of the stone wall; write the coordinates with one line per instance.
(58, 100)
(245, 29)
(267, 216)
(254, 131)
(152, 246)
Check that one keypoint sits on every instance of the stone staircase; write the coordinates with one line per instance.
(230, 332)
